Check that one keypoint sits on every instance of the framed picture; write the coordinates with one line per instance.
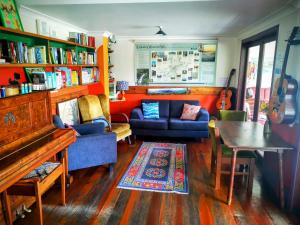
(42, 27)
(68, 111)
(168, 91)
(9, 15)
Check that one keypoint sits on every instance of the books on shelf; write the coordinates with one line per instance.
(82, 39)
(40, 54)
(86, 58)
(89, 75)
(19, 52)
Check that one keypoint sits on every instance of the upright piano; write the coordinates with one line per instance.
(27, 136)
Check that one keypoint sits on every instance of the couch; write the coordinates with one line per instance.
(93, 147)
(169, 123)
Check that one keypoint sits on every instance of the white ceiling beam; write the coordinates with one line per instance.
(84, 2)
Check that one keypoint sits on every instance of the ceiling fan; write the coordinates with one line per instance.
(160, 31)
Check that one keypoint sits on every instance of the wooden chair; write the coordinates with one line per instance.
(221, 157)
(36, 186)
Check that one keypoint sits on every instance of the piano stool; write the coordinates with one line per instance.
(36, 187)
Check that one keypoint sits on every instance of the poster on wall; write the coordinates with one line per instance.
(167, 63)
(9, 15)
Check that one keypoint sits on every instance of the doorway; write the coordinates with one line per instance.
(256, 76)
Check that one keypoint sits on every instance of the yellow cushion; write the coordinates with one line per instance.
(120, 127)
(90, 107)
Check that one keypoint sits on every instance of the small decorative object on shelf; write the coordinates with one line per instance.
(122, 86)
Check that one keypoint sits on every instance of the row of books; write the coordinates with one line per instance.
(86, 58)
(82, 39)
(62, 77)
(19, 52)
(62, 56)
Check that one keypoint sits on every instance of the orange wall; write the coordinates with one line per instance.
(133, 100)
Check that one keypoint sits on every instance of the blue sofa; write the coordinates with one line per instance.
(93, 147)
(169, 123)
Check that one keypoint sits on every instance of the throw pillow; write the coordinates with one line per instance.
(190, 112)
(151, 110)
(76, 132)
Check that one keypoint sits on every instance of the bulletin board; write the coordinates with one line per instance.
(176, 63)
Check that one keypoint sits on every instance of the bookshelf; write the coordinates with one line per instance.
(32, 40)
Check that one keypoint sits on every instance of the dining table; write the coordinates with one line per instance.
(250, 136)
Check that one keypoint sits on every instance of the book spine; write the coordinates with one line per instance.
(38, 55)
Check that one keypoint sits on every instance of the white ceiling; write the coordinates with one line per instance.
(178, 18)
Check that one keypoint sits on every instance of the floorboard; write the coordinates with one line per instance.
(93, 198)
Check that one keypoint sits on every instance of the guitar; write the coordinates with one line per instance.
(225, 95)
(283, 103)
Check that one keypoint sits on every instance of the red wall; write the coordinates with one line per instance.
(133, 100)
(6, 73)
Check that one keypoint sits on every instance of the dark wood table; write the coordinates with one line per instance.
(249, 136)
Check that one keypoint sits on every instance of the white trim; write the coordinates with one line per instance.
(52, 18)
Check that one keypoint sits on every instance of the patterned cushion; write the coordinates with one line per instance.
(190, 112)
(42, 171)
(151, 110)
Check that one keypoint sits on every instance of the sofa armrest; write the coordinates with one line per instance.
(204, 115)
(89, 128)
(137, 114)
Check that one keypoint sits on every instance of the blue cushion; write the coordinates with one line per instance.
(177, 124)
(164, 106)
(151, 110)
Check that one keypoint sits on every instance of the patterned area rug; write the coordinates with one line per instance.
(159, 167)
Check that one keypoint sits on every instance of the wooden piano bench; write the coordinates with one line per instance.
(36, 184)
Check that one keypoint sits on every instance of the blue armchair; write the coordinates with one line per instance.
(93, 146)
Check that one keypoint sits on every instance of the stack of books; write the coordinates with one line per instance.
(82, 39)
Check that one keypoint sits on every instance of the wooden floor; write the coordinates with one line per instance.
(94, 199)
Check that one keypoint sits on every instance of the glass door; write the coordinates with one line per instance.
(258, 80)
(251, 80)
(266, 80)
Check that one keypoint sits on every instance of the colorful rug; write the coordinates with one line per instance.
(160, 167)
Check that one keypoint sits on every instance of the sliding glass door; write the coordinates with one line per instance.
(257, 76)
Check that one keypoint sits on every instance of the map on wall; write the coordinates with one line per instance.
(165, 63)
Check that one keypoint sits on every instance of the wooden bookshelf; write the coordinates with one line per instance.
(31, 39)
(4, 30)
